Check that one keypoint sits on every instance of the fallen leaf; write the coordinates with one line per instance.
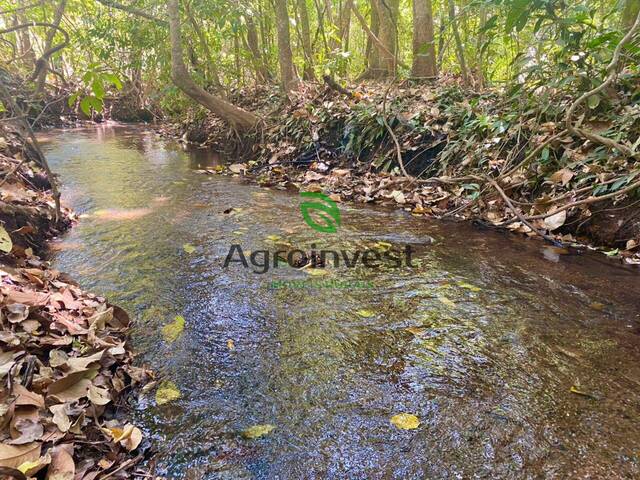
(167, 392)
(444, 300)
(13, 456)
(316, 272)
(62, 465)
(555, 221)
(60, 417)
(365, 313)
(468, 286)
(562, 177)
(5, 241)
(230, 344)
(189, 248)
(173, 330)
(30, 468)
(258, 431)
(416, 330)
(405, 421)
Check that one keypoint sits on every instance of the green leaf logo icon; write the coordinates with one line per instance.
(327, 210)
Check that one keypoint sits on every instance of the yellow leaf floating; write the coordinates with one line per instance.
(258, 431)
(189, 248)
(231, 344)
(316, 272)
(172, 331)
(5, 241)
(365, 313)
(468, 286)
(405, 421)
(416, 330)
(167, 392)
(446, 301)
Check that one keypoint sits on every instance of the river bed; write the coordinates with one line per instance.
(518, 360)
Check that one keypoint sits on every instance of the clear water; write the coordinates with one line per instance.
(482, 340)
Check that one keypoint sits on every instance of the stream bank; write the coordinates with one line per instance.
(66, 363)
(455, 142)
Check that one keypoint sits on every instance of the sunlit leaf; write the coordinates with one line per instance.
(187, 247)
(468, 286)
(405, 421)
(365, 313)
(167, 392)
(172, 331)
(5, 241)
(444, 300)
(258, 431)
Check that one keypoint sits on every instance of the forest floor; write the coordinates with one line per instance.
(66, 367)
(504, 160)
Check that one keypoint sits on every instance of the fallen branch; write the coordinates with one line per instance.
(519, 214)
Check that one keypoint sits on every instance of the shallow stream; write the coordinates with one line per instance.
(518, 360)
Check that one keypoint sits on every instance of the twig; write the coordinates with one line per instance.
(390, 130)
(519, 214)
(587, 201)
(124, 466)
(15, 169)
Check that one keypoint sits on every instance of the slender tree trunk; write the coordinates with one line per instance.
(424, 51)
(238, 118)
(288, 77)
(211, 72)
(629, 13)
(480, 46)
(305, 39)
(373, 59)
(387, 14)
(26, 51)
(345, 25)
(262, 71)
(51, 33)
(459, 46)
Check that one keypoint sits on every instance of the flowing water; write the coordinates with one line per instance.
(519, 361)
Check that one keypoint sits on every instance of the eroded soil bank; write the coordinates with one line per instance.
(66, 363)
(465, 151)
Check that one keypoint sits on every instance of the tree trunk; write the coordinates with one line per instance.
(288, 77)
(238, 118)
(51, 33)
(26, 51)
(459, 47)
(345, 26)
(383, 58)
(424, 51)
(629, 14)
(305, 39)
(261, 69)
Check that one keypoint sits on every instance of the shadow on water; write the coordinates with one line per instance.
(484, 339)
